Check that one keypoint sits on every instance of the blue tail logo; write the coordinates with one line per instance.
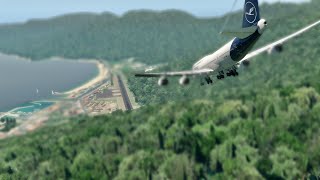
(251, 13)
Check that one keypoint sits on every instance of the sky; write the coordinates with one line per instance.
(23, 10)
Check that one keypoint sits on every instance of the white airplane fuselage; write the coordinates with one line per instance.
(219, 59)
(231, 53)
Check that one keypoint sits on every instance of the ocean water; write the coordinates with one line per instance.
(32, 107)
(23, 81)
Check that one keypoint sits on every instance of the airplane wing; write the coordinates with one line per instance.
(178, 73)
(279, 42)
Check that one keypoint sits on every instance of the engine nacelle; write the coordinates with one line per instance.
(262, 26)
(244, 63)
(163, 81)
(276, 49)
(184, 80)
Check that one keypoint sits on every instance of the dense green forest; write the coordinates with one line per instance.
(273, 135)
(263, 124)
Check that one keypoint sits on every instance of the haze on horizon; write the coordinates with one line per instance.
(12, 11)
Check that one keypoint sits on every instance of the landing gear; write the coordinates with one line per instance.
(232, 72)
(221, 75)
(208, 80)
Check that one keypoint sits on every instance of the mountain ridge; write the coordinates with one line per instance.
(110, 37)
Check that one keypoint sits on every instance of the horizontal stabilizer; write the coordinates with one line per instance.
(242, 33)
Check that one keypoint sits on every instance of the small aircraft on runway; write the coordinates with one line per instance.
(226, 60)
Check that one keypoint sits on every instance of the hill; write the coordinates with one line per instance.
(151, 37)
(147, 35)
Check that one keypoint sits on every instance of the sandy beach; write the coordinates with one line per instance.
(103, 72)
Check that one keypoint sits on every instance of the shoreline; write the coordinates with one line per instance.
(11, 111)
(102, 74)
(102, 71)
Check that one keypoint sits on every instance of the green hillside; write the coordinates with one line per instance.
(150, 37)
(263, 124)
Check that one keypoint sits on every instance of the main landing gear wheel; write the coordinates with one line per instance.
(208, 80)
(232, 73)
(220, 77)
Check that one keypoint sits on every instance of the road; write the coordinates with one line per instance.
(124, 93)
(92, 89)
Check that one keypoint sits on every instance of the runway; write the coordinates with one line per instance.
(126, 99)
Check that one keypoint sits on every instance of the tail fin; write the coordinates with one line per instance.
(251, 14)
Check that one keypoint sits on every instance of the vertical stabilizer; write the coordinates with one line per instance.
(251, 14)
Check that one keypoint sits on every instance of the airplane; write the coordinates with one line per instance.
(234, 54)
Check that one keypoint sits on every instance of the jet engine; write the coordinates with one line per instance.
(184, 80)
(163, 81)
(246, 63)
(262, 25)
(276, 49)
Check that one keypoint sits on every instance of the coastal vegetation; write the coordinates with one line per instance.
(263, 124)
(8, 123)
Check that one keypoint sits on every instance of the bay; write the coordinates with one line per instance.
(23, 81)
